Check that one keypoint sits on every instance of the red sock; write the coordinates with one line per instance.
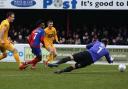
(34, 61)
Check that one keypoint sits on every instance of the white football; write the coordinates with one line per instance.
(122, 67)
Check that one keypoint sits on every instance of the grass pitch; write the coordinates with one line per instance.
(91, 77)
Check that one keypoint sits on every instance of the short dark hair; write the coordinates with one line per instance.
(9, 14)
(105, 41)
(49, 21)
(40, 23)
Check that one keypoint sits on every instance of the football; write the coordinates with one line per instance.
(122, 67)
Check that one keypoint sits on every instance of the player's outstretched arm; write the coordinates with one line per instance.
(109, 58)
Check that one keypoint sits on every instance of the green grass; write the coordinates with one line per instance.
(92, 77)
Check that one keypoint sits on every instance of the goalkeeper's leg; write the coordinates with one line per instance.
(82, 59)
(76, 57)
(70, 68)
(61, 61)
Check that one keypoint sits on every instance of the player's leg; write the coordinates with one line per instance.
(4, 54)
(38, 58)
(11, 48)
(54, 52)
(61, 61)
(76, 57)
(50, 56)
(82, 60)
(64, 60)
(72, 67)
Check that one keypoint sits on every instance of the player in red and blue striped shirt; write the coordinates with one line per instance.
(34, 40)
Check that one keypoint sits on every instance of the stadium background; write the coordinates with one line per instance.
(73, 26)
(77, 27)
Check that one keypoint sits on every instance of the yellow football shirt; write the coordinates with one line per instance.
(50, 35)
(5, 35)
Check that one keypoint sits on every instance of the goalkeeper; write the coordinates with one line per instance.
(95, 51)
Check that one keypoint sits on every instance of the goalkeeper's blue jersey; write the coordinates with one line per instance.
(97, 50)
